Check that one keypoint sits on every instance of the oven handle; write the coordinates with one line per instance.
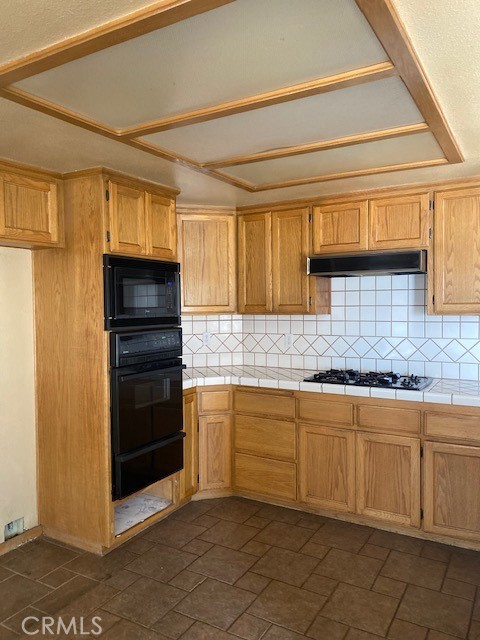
(132, 376)
(124, 457)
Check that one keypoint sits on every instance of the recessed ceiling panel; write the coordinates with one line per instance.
(378, 105)
(363, 156)
(241, 49)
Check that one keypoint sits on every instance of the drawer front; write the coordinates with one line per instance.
(268, 477)
(265, 403)
(326, 412)
(214, 401)
(265, 437)
(389, 419)
(452, 425)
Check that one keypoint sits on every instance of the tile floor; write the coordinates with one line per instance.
(235, 568)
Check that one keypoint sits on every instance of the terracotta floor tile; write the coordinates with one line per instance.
(372, 551)
(460, 589)
(15, 622)
(436, 551)
(198, 547)
(161, 562)
(396, 541)
(42, 558)
(287, 606)
(100, 568)
(415, 570)
(435, 610)
(192, 510)
(125, 630)
(206, 521)
(249, 627)
(362, 609)
(87, 602)
(474, 633)
(235, 510)
(320, 584)
(287, 566)
(342, 535)
(122, 579)
(356, 634)
(476, 606)
(257, 522)
(311, 521)
(57, 577)
(438, 635)
(138, 545)
(145, 601)
(253, 582)
(323, 628)
(465, 568)
(389, 587)
(216, 603)
(202, 631)
(174, 533)
(315, 550)
(187, 580)
(279, 633)
(65, 595)
(229, 534)
(223, 564)
(280, 514)
(5, 573)
(401, 630)
(256, 548)
(287, 536)
(173, 625)
(344, 566)
(6, 634)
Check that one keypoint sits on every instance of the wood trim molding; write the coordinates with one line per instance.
(267, 99)
(334, 143)
(389, 29)
(156, 16)
(22, 538)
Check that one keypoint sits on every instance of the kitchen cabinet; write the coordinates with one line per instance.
(265, 477)
(272, 265)
(327, 467)
(340, 228)
(215, 452)
(140, 222)
(208, 260)
(31, 209)
(451, 495)
(456, 262)
(189, 474)
(388, 477)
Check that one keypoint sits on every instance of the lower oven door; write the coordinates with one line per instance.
(139, 469)
(146, 405)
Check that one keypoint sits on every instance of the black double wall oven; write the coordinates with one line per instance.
(142, 312)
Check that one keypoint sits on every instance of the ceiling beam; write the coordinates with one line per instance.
(351, 174)
(389, 29)
(156, 16)
(267, 99)
(334, 143)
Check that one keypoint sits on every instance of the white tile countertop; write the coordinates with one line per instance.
(443, 391)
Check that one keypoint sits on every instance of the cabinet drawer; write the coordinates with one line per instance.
(452, 425)
(268, 477)
(389, 419)
(326, 412)
(214, 401)
(265, 437)
(268, 404)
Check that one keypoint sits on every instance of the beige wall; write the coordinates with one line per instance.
(18, 497)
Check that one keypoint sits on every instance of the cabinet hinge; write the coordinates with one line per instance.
(310, 217)
(198, 478)
(108, 236)
(421, 452)
(430, 233)
(431, 205)
(433, 299)
(421, 514)
(310, 301)
(107, 195)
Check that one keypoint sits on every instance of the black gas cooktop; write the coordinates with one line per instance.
(388, 380)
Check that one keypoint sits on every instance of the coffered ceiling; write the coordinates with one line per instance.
(253, 97)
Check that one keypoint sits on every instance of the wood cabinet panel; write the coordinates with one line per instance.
(126, 212)
(290, 248)
(452, 426)
(451, 495)
(389, 419)
(265, 437)
(189, 473)
(268, 404)
(273, 478)
(456, 276)
(161, 227)
(326, 412)
(208, 262)
(214, 401)
(215, 452)
(388, 478)
(401, 222)
(340, 228)
(254, 263)
(327, 467)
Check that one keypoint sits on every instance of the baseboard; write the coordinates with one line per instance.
(21, 539)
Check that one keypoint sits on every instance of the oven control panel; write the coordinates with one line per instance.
(144, 346)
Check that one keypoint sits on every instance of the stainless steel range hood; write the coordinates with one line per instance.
(368, 264)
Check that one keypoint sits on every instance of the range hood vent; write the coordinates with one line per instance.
(368, 264)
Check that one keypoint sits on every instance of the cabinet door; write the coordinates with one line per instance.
(189, 474)
(215, 453)
(327, 467)
(290, 244)
(29, 209)
(457, 252)
(399, 223)
(340, 228)
(254, 263)
(264, 476)
(161, 227)
(388, 478)
(207, 256)
(451, 495)
(127, 220)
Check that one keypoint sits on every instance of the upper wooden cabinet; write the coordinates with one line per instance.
(400, 222)
(208, 262)
(31, 210)
(456, 264)
(272, 264)
(140, 222)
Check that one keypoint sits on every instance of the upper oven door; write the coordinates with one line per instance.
(141, 293)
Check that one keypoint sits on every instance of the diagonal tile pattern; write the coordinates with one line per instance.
(234, 568)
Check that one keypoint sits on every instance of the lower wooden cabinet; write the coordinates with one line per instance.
(388, 478)
(327, 467)
(274, 478)
(451, 490)
(189, 474)
(215, 452)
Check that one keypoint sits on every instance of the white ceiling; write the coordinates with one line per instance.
(445, 35)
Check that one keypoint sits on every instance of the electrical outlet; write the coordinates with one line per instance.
(14, 528)
(207, 339)
(288, 341)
